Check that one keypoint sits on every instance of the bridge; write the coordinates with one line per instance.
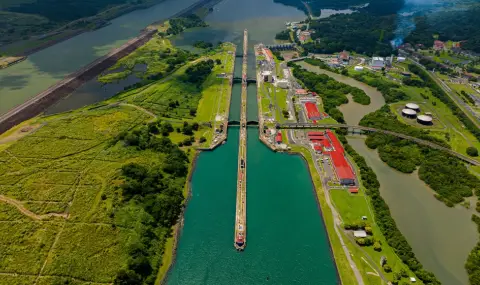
(240, 80)
(240, 238)
(282, 46)
(368, 129)
(297, 59)
(237, 123)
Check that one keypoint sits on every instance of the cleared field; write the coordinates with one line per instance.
(216, 91)
(102, 246)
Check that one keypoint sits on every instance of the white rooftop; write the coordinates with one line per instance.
(360, 234)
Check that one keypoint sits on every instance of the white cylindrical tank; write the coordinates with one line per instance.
(409, 113)
(412, 106)
(358, 68)
(424, 120)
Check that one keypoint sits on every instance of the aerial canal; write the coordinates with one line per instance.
(287, 242)
(441, 237)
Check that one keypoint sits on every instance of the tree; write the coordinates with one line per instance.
(472, 151)
(368, 230)
(218, 61)
(127, 277)
(377, 246)
(202, 139)
(387, 268)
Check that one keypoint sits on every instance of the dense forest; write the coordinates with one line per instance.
(384, 219)
(332, 92)
(157, 190)
(378, 7)
(459, 25)
(178, 25)
(445, 174)
(197, 73)
(359, 32)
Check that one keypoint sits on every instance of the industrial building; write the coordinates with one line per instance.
(425, 120)
(377, 62)
(409, 113)
(412, 106)
(327, 143)
(267, 76)
(312, 111)
(282, 83)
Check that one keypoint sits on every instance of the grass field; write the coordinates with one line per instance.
(345, 271)
(61, 211)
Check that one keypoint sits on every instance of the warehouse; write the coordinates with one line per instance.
(312, 111)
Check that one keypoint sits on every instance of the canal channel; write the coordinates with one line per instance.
(441, 237)
(287, 242)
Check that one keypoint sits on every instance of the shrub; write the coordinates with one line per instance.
(472, 151)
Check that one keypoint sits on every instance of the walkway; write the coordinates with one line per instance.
(240, 238)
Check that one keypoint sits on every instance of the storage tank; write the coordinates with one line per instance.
(412, 106)
(358, 68)
(409, 113)
(424, 120)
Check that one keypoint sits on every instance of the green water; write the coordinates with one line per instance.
(235, 100)
(286, 239)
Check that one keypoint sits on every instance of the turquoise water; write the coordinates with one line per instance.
(286, 239)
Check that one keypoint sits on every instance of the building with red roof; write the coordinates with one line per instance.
(438, 45)
(342, 167)
(301, 92)
(278, 138)
(353, 190)
(312, 111)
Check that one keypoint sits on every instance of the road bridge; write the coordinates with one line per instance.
(240, 238)
(368, 129)
(249, 80)
(281, 46)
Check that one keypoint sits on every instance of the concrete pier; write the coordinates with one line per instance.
(240, 238)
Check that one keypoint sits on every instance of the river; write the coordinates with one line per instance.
(441, 237)
(42, 69)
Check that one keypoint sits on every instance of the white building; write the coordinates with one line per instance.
(358, 68)
(360, 234)
(377, 62)
(401, 59)
(282, 83)
(267, 76)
